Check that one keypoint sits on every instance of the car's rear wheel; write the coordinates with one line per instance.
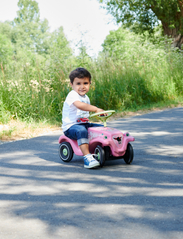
(65, 152)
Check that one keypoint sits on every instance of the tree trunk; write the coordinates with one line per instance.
(178, 41)
(171, 19)
(178, 38)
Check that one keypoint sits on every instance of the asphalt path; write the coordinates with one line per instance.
(43, 197)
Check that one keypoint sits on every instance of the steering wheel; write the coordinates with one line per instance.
(103, 115)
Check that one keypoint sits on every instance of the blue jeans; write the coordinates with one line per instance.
(79, 132)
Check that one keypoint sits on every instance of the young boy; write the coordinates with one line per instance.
(76, 106)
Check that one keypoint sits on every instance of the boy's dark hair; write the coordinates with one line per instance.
(79, 73)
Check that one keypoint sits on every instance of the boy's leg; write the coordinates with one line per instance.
(84, 149)
(79, 132)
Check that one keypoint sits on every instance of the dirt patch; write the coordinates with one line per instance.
(16, 130)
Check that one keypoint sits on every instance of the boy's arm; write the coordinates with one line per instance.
(86, 107)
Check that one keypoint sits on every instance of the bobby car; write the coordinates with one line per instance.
(104, 142)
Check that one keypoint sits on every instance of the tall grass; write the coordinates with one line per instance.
(128, 85)
(35, 87)
(138, 74)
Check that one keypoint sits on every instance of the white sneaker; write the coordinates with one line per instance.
(90, 162)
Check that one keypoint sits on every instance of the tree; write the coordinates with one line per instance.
(123, 45)
(59, 50)
(83, 59)
(6, 50)
(148, 13)
(115, 43)
(6, 29)
(28, 30)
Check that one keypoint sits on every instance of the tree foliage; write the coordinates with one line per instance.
(29, 31)
(29, 34)
(148, 13)
(123, 45)
(6, 50)
(59, 46)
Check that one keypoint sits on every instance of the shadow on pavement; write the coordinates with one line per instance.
(145, 196)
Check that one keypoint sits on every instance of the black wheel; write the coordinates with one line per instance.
(107, 152)
(128, 157)
(99, 151)
(65, 152)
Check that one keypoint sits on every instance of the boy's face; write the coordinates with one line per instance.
(81, 85)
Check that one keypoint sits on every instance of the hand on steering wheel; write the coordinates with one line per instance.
(103, 115)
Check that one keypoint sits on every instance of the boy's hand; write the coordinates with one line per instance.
(100, 110)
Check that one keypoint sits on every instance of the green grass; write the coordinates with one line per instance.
(140, 76)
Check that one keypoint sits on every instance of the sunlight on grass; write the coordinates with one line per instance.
(16, 129)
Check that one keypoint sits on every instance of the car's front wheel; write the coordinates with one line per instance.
(99, 151)
(128, 156)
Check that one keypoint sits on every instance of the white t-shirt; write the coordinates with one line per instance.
(71, 113)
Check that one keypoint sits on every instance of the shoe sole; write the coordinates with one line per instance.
(92, 166)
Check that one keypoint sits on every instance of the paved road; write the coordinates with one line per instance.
(42, 197)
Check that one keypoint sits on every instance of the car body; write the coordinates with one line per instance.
(105, 141)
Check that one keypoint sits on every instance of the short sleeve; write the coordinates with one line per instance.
(72, 97)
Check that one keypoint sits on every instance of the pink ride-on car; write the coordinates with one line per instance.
(106, 143)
